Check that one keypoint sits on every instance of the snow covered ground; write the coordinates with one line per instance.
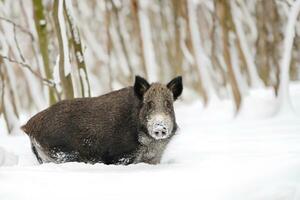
(253, 156)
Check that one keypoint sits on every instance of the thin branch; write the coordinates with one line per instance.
(15, 26)
(27, 25)
(24, 30)
(27, 66)
(17, 44)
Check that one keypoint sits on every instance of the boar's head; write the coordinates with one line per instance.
(156, 113)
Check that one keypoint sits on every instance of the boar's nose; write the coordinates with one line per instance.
(160, 126)
(160, 129)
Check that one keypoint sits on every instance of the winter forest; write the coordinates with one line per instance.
(238, 114)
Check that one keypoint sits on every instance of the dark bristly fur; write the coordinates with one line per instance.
(106, 129)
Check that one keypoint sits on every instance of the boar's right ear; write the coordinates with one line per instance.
(140, 86)
(176, 87)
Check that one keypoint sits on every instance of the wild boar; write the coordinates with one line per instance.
(130, 125)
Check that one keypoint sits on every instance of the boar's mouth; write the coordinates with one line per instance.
(160, 126)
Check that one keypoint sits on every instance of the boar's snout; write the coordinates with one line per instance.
(160, 126)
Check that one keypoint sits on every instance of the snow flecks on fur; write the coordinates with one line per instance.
(60, 157)
(87, 142)
(55, 155)
(124, 161)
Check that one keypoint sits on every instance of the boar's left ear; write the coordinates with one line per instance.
(140, 86)
(176, 87)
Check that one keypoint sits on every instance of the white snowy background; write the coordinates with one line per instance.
(221, 151)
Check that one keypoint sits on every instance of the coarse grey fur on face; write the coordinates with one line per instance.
(126, 126)
(157, 113)
(156, 116)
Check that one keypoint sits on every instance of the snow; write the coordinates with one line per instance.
(12, 120)
(79, 56)
(7, 159)
(254, 156)
(55, 74)
(42, 22)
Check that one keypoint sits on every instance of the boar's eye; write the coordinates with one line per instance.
(168, 104)
(150, 105)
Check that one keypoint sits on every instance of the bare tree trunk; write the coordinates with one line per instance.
(122, 40)
(223, 12)
(295, 70)
(177, 13)
(137, 28)
(76, 41)
(244, 50)
(283, 92)
(147, 39)
(2, 78)
(197, 65)
(108, 43)
(66, 80)
(214, 57)
(41, 27)
(267, 44)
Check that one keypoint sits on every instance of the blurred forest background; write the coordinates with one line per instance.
(60, 49)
